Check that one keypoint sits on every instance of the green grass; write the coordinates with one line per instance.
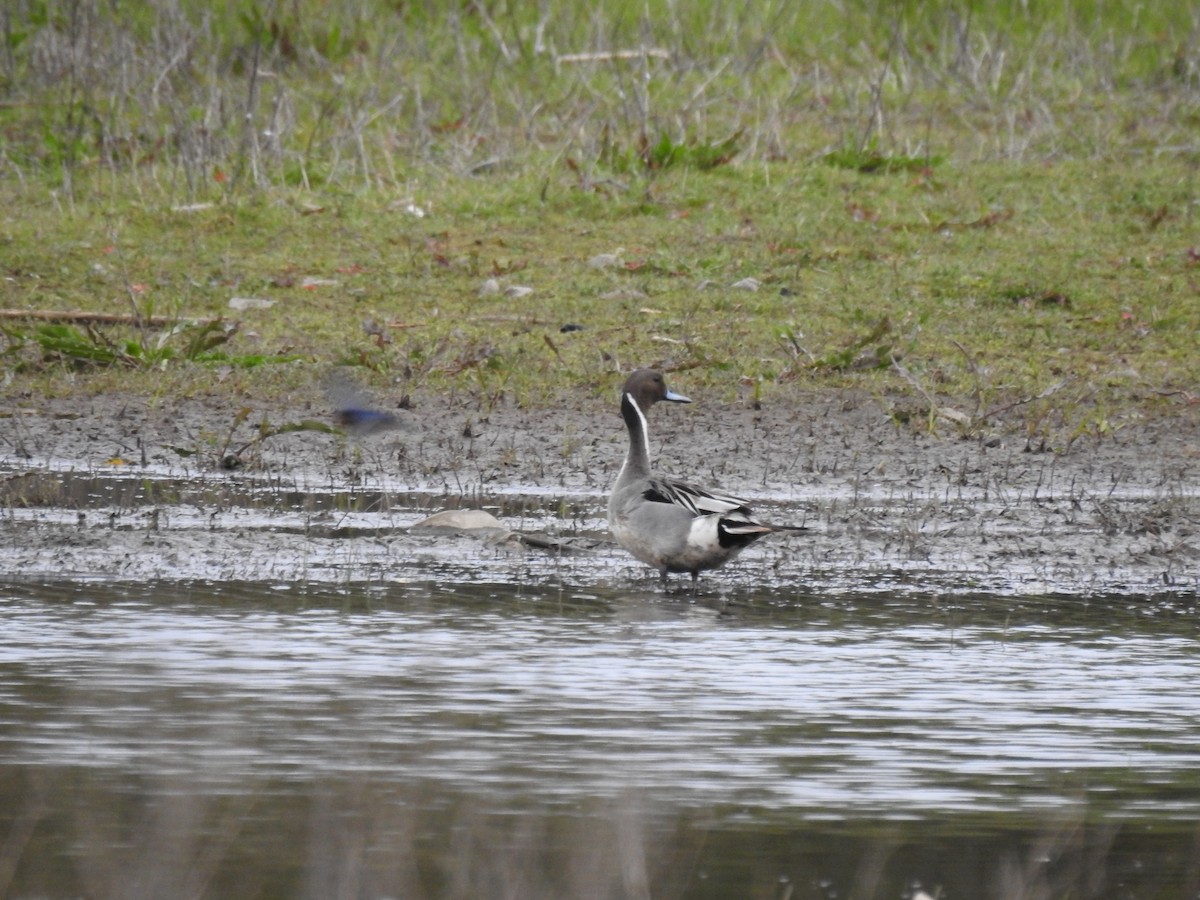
(1001, 200)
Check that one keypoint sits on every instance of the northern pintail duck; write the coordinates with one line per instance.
(668, 524)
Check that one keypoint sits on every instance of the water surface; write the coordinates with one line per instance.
(426, 739)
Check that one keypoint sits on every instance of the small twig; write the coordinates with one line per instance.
(911, 379)
(610, 55)
(139, 319)
(875, 119)
(975, 374)
(1188, 396)
(83, 317)
(1050, 391)
(249, 148)
(480, 10)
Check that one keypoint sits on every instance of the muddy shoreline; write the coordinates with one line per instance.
(887, 507)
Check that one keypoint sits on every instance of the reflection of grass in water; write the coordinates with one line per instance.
(90, 835)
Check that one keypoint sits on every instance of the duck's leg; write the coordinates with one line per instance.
(695, 582)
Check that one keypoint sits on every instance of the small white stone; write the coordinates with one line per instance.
(605, 261)
(459, 520)
(244, 303)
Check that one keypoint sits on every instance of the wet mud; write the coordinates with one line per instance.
(107, 488)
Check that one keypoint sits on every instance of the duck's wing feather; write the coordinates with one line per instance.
(697, 501)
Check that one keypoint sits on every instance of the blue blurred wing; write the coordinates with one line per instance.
(354, 410)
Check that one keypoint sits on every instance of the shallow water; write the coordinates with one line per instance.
(216, 685)
(246, 739)
(919, 538)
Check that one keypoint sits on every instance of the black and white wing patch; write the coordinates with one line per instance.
(697, 501)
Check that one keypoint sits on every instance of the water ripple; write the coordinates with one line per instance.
(894, 713)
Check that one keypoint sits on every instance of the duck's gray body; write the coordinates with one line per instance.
(668, 524)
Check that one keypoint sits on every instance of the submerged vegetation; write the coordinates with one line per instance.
(983, 214)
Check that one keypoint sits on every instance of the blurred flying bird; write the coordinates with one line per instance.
(356, 412)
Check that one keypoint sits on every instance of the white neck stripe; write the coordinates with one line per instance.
(645, 428)
(645, 443)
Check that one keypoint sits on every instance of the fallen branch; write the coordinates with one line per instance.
(96, 318)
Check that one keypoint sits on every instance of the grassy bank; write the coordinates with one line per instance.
(979, 216)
